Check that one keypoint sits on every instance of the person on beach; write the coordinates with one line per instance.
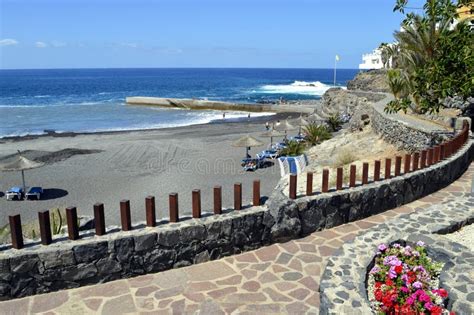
(223, 115)
(267, 126)
(249, 116)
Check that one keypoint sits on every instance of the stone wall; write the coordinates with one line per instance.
(93, 259)
(405, 136)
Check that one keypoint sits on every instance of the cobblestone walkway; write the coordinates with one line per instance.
(281, 278)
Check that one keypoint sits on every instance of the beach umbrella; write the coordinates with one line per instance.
(300, 121)
(284, 126)
(272, 133)
(247, 142)
(20, 163)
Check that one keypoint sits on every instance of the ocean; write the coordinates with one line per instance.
(92, 100)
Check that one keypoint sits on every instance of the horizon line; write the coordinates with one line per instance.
(118, 68)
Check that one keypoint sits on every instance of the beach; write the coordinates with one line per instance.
(134, 164)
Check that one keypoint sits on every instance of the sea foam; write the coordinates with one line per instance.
(316, 88)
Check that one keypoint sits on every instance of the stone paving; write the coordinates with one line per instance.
(278, 279)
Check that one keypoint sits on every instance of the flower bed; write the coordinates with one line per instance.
(404, 280)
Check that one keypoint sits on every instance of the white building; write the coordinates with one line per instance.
(372, 60)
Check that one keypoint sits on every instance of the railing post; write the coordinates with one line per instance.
(293, 182)
(217, 200)
(430, 156)
(442, 151)
(423, 159)
(72, 224)
(45, 227)
(256, 193)
(339, 178)
(196, 196)
(125, 216)
(407, 164)
(398, 165)
(15, 231)
(377, 170)
(150, 211)
(99, 219)
(352, 176)
(365, 173)
(325, 182)
(174, 208)
(416, 160)
(436, 154)
(388, 168)
(309, 183)
(238, 196)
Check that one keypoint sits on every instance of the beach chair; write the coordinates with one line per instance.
(251, 165)
(14, 192)
(34, 192)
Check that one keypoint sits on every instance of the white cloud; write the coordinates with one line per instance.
(8, 42)
(41, 45)
(56, 43)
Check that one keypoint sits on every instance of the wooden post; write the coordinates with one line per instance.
(293, 182)
(388, 168)
(416, 160)
(217, 200)
(339, 178)
(309, 183)
(352, 176)
(45, 227)
(72, 224)
(436, 154)
(442, 149)
(325, 183)
(430, 156)
(238, 196)
(15, 231)
(256, 193)
(99, 219)
(398, 165)
(365, 173)
(407, 164)
(377, 170)
(150, 211)
(174, 208)
(423, 159)
(125, 216)
(196, 203)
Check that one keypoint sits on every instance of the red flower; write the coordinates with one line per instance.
(378, 295)
(443, 293)
(389, 282)
(436, 310)
(398, 269)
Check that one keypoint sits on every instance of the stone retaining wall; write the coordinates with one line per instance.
(404, 136)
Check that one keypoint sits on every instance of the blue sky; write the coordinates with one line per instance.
(191, 33)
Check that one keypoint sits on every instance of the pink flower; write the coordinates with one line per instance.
(404, 289)
(417, 285)
(382, 247)
(420, 243)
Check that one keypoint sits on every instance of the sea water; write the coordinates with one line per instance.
(92, 100)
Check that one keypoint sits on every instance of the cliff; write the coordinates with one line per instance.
(372, 80)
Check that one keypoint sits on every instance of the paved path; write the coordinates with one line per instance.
(281, 278)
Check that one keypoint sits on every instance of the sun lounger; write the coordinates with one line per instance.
(35, 192)
(14, 192)
(268, 154)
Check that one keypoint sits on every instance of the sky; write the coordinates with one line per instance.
(191, 33)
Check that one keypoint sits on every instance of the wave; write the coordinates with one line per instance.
(41, 96)
(316, 88)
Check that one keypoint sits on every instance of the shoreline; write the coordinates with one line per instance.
(71, 134)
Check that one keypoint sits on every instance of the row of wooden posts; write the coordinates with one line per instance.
(412, 162)
(125, 214)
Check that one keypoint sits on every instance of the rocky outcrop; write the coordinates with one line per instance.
(372, 80)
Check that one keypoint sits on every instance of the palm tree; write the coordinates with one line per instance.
(315, 134)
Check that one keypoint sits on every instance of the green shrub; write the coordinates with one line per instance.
(294, 148)
(315, 134)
